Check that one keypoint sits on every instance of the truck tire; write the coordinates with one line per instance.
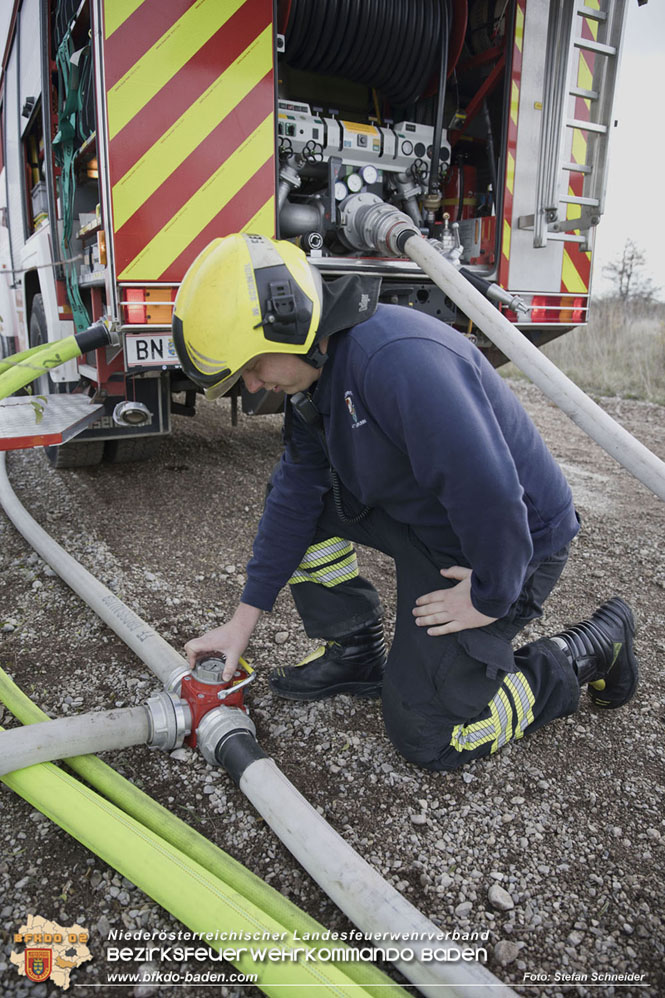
(6, 347)
(38, 334)
(131, 449)
(77, 453)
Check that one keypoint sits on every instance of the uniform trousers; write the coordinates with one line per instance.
(446, 699)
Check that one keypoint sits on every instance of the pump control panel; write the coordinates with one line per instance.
(394, 148)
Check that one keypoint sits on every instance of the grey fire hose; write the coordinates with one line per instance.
(370, 224)
(226, 738)
(67, 736)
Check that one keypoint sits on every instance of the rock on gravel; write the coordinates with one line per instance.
(500, 898)
(506, 951)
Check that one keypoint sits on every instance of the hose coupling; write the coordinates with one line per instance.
(432, 201)
(99, 334)
(513, 302)
(369, 224)
(289, 180)
(289, 174)
(449, 245)
(174, 682)
(113, 328)
(170, 720)
(218, 727)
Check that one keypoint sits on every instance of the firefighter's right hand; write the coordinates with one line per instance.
(231, 639)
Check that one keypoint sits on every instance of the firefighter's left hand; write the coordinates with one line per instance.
(448, 610)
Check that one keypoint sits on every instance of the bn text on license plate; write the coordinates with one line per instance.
(156, 350)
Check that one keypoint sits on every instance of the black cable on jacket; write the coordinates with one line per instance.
(339, 502)
(312, 418)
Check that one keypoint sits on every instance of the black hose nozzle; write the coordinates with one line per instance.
(95, 336)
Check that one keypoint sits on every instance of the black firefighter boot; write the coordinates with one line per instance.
(600, 651)
(353, 664)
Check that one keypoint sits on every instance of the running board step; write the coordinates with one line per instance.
(44, 420)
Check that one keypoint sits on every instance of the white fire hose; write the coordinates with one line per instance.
(370, 224)
(97, 731)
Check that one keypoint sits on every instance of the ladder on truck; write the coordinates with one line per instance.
(582, 62)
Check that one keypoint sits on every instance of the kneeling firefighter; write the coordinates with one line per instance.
(402, 437)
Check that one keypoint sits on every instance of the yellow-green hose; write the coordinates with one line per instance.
(17, 358)
(197, 899)
(218, 863)
(16, 374)
(37, 363)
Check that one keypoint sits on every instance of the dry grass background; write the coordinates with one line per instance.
(621, 351)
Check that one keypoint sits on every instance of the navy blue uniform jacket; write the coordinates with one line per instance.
(418, 423)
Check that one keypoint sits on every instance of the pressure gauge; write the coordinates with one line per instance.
(354, 182)
(369, 174)
(341, 190)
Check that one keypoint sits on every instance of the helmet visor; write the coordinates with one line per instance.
(223, 386)
(216, 391)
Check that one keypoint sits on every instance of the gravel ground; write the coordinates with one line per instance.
(568, 823)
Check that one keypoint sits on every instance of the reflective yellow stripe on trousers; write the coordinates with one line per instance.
(328, 563)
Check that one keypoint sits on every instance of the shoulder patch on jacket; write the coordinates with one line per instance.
(351, 406)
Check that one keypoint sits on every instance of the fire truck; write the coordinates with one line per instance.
(136, 131)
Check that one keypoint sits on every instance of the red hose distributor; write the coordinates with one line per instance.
(204, 689)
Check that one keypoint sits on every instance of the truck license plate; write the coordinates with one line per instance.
(155, 350)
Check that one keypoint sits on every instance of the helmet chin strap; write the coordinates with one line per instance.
(314, 357)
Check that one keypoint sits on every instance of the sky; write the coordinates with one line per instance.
(5, 17)
(635, 206)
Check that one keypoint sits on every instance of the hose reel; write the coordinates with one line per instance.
(391, 45)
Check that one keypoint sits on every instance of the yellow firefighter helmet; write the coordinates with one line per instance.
(244, 295)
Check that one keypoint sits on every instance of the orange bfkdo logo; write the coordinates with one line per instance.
(38, 964)
(51, 952)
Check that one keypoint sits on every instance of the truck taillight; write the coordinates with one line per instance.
(540, 311)
(554, 308)
(135, 306)
(578, 311)
(150, 306)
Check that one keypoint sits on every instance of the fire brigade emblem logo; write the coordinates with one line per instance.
(52, 951)
(38, 964)
(351, 406)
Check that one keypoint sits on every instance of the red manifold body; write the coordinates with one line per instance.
(205, 696)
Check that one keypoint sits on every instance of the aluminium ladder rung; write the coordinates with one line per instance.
(560, 237)
(579, 92)
(593, 15)
(565, 237)
(591, 46)
(526, 224)
(577, 168)
(586, 126)
(587, 202)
